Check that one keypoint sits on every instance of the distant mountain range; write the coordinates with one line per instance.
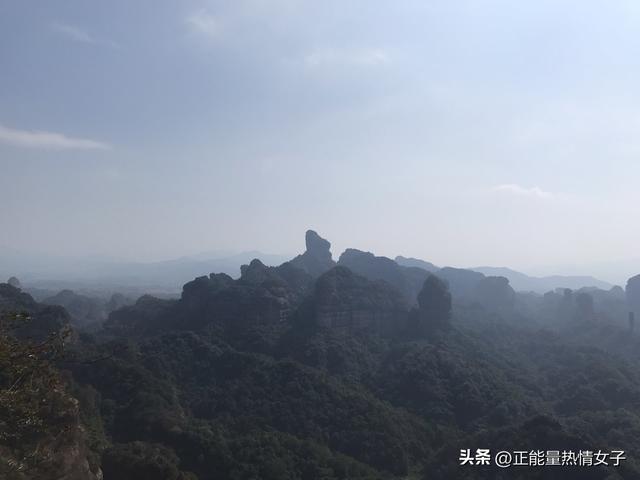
(98, 274)
(416, 262)
(520, 281)
(525, 283)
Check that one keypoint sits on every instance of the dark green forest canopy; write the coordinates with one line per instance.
(323, 373)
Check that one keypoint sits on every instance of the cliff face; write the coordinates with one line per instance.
(633, 294)
(407, 280)
(68, 453)
(58, 451)
(41, 435)
(346, 301)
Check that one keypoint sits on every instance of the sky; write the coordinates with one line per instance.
(462, 132)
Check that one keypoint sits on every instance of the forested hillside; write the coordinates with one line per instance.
(317, 370)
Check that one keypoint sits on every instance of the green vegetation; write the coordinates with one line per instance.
(38, 418)
(275, 376)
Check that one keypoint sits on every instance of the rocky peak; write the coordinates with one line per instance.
(202, 287)
(256, 272)
(317, 258)
(13, 298)
(372, 267)
(317, 246)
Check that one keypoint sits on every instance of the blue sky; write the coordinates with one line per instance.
(462, 132)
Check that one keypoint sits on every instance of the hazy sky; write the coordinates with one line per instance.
(463, 132)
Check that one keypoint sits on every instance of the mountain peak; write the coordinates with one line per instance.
(316, 245)
(317, 258)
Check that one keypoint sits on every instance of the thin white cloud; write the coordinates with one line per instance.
(367, 57)
(204, 23)
(515, 189)
(80, 35)
(47, 140)
(74, 33)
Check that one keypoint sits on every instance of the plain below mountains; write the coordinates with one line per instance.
(45, 275)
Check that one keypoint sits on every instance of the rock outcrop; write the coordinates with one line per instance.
(407, 280)
(42, 433)
(633, 295)
(317, 258)
(434, 307)
(262, 297)
(346, 301)
(495, 294)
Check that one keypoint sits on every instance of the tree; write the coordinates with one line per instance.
(37, 417)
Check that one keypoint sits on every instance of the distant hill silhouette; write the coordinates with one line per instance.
(519, 281)
(525, 283)
(416, 262)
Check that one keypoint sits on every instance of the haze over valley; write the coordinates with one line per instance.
(289, 240)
